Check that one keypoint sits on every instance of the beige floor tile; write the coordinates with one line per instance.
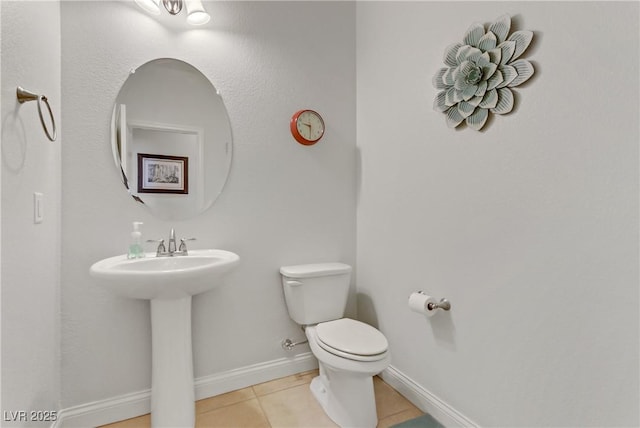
(139, 422)
(294, 407)
(388, 400)
(285, 382)
(233, 397)
(282, 403)
(405, 415)
(240, 415)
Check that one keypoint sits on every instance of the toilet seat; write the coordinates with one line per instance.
(352, 339)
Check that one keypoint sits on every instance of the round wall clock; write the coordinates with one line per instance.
(307, 127)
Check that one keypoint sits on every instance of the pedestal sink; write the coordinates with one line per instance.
(169, 283)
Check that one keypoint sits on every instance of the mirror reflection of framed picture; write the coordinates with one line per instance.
(163, 174)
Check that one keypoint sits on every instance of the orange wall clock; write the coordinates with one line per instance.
(307, 127)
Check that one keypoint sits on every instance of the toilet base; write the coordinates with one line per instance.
(347, 399)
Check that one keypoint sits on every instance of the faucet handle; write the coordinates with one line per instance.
(183, 245)
(161, 248)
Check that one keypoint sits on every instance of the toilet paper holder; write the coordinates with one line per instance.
(443, 304)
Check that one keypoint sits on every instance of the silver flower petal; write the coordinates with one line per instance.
(454, 73)
(448, 77)
(505, 101)
(475, 101)
(478, 119)
(465, 109)
(474, 54)
(490, 99)
(524, 70)
(438, 80)
(461, 55)
(474, 34)
(495, 80)
(489, 71)
(508, 73)
(484, 59)
(469, 92)
(467, 53)
(451, 98)
(522, 39)
(487, 42)
(482, 88)
(450, 54)
(501, 27)
(508, 48)
(495, 55)
(439, 103)
(454, 118)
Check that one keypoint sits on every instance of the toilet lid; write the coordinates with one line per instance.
(352, 337)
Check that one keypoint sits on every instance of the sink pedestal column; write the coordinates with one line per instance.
(172, 388)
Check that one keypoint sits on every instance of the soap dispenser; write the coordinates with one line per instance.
(135, 246)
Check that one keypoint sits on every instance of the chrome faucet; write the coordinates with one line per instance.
(172, 242)
(170, 250)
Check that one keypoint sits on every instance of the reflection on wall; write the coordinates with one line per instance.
(166, 140)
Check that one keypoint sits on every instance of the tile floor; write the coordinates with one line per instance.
(285, 402)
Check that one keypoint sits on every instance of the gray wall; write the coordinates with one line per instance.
(30, 252)
(283, 203)
(530, 227)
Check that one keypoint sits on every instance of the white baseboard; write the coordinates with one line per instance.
(425, 400)
(139, 403)
(105, 411)
(208, 386)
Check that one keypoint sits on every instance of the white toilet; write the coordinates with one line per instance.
(349, 352)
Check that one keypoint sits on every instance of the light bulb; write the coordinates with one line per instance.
(196, 15)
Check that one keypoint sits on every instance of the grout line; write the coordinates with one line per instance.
(402, 411)
(281, 390)
(264, 413)
(258, 396)
(228, 405)
(286, 387)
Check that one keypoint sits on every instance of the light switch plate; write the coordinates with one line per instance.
(38, 208)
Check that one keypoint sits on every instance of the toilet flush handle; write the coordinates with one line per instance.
(293, 283)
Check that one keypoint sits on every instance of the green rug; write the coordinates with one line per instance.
(424, 421)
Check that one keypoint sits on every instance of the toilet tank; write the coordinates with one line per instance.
(316, 293)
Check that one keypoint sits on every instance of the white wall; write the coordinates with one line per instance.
(31, 256)
(530, 228)
(283, 204)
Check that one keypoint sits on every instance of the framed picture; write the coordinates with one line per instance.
(163, 174)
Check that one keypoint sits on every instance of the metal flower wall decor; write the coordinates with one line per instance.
(479, 72)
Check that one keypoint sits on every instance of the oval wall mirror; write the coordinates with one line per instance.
(171, 138)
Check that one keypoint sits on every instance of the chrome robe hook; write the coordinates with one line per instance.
(25, 96)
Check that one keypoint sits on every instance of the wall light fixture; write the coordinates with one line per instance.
(196, 13)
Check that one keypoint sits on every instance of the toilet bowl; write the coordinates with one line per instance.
(349, 352)
(344, 387)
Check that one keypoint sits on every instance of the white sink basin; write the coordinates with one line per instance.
(169, 283)
(154, 277)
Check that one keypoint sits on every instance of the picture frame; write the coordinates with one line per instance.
(163, 174)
